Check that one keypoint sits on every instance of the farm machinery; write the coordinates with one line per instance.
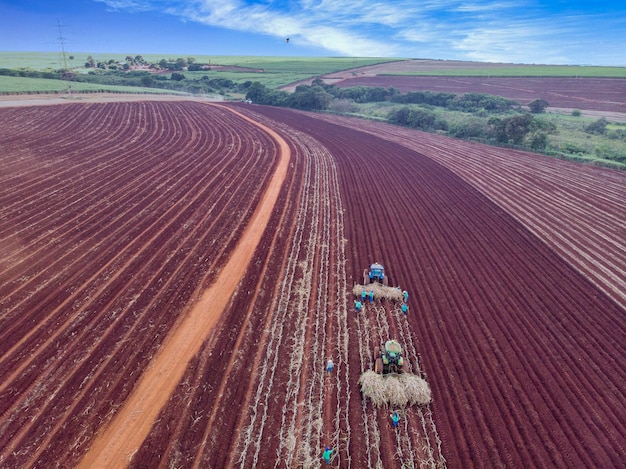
(389, 359)
(376, 273)
(389, 384)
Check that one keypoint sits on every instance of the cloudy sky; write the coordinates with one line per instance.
(576, 32)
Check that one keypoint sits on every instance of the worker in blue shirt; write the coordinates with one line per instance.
(327, 455)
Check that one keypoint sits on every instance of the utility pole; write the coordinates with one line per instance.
(61, 41)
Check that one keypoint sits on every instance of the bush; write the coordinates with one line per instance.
(474, 128)
(417, 119)
(598, 127)
(538, 106)
(477, 102)
(343, 106)
(539, 141)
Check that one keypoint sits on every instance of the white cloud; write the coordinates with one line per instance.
(485, 30)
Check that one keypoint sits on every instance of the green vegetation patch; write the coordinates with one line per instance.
(41, 85)
(272, 72)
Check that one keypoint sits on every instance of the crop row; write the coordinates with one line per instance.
(513, 264)
(523, 352)
(577, 210)
(116, 234)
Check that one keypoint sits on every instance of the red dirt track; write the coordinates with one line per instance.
(115, 219)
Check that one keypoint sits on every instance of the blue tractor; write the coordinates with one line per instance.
(376, 273)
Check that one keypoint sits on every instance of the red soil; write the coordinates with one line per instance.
(600, 94)
(134, 420)
(514, 264)
(524, 353)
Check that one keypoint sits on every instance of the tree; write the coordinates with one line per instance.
(177, 76)
(598, 127)
(147, 81)
(517, 127)
(180, 64)
(538, 106)
(421, 119)
(312, 98)
(257, 92)
(539, 141)
(399, 116)
(512, 129)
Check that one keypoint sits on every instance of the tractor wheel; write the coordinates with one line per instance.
(378, 366)
(376, 352)
(366, 277)
(385, 280)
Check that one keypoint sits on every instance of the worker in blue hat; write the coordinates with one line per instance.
(395, 418)
(327, 455)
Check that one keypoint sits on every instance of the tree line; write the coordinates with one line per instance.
(486, 118)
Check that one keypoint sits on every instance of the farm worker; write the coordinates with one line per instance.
(404, 308)
(330, 365)
(405, 294)
(371, 295)
(327, 454)
(395, 418)
(363, 296)
(357, 306)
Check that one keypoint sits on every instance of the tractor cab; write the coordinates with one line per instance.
(390, 359)
(376, 273)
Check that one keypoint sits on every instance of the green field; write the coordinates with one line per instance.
(307, 65)
(42, 85)
(274, 72)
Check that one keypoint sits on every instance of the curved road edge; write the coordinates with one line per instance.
(115, 445)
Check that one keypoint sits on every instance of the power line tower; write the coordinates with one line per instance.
(66, 72)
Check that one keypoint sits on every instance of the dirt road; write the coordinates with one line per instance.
(118, 442)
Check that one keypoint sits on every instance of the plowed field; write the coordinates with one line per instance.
(596, 94)
(212, 256)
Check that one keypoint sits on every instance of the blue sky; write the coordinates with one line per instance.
(572, 32)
